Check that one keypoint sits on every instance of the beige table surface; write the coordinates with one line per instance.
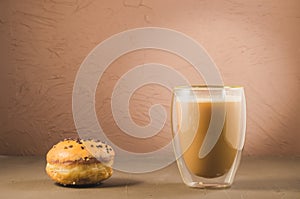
(264, 177)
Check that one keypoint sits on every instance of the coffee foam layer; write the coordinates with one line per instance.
(193, 99)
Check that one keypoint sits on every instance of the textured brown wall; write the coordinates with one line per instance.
(255, 43)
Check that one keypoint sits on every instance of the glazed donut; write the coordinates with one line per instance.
(80, 162)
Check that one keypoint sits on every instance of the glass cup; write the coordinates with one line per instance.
(208, 125)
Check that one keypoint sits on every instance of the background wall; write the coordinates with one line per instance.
(255, 43)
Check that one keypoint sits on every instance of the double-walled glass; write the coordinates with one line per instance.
(208, 124)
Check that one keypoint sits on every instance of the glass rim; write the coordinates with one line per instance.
(205, 87)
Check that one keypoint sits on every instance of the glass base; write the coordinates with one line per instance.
(208, 185)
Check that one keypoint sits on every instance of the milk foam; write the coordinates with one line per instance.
(194, 99)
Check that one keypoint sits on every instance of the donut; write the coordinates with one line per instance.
(80, 162)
